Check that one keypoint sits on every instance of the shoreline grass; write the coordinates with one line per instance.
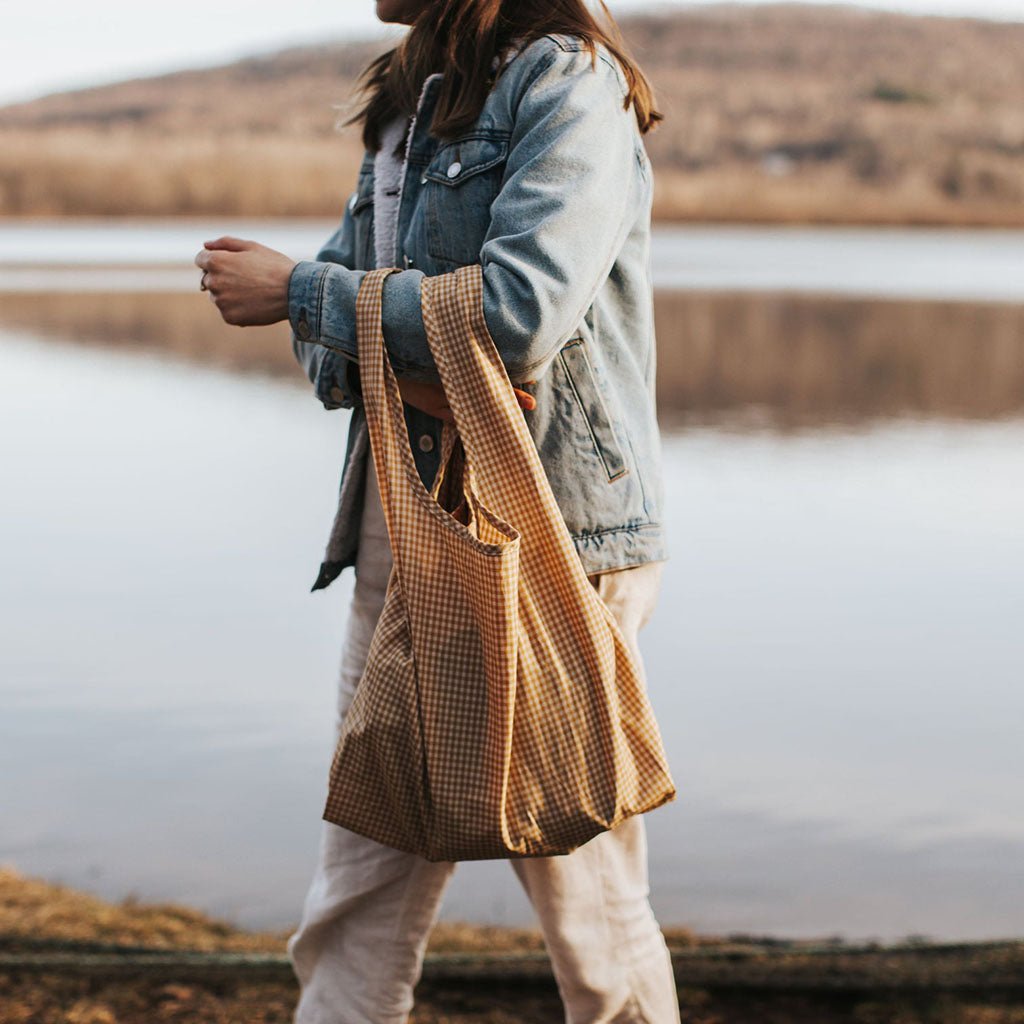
(124, 173)
(67, 957)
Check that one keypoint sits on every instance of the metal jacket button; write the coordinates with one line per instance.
(337, 395)
(453, 169)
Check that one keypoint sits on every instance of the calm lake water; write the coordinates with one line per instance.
(955, 264)
(836, 660)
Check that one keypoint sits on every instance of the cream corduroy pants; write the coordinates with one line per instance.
(359, 948)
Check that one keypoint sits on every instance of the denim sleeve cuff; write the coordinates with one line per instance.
(336, 382)
(304, 288)
(333, 385)
(322, 309)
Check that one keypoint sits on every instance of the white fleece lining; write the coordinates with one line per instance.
(388, 173)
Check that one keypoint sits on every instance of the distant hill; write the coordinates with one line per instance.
(782, 112)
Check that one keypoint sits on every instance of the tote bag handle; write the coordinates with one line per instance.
(398, 478)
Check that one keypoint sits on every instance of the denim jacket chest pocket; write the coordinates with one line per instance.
(461, 181)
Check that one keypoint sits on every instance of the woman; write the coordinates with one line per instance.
(509, 133)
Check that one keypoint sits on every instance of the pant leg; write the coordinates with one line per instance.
(359, 948)
(606, 948)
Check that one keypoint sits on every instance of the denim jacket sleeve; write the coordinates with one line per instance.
(332, 372)
(566, 203)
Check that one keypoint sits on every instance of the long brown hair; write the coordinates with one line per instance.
(462, 38)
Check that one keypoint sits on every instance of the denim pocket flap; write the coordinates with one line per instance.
(460, 160)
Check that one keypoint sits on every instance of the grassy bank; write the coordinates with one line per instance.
(774, 113)
(473, 975)
(74, 171)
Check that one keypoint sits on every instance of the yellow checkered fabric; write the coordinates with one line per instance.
(500, 713)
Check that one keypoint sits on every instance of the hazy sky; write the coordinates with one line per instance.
(65, 44)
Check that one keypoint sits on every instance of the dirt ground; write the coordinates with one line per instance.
(35, 913)
(52, 1000)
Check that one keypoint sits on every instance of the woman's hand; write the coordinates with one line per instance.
(248, 282)
(430, 398)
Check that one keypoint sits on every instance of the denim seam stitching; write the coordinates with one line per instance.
(617, 529)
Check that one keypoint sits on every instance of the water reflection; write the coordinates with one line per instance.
(835, 659)
(761, 359)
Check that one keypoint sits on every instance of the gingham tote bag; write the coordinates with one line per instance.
(500, 713)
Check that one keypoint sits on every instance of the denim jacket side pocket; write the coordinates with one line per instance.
(587, 393)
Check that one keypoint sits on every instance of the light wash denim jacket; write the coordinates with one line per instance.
(551, 192)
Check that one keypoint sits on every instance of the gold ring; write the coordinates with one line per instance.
(202, 282)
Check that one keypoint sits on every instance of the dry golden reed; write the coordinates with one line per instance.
(71, 171)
